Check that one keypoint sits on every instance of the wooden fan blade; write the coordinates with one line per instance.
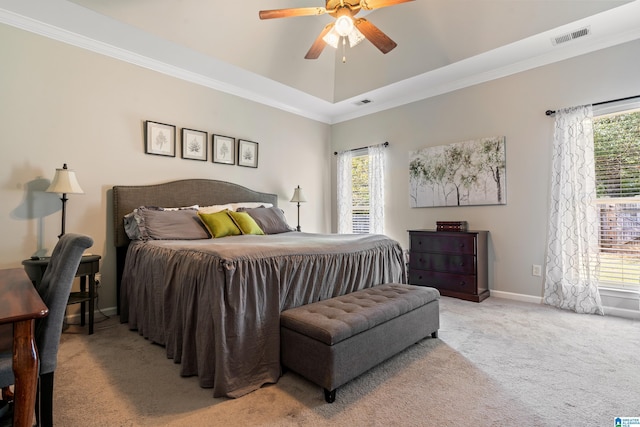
(375, 36)
(376, 4)
(285, 13)
(319, 44)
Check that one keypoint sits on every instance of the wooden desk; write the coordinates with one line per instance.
(20, 305)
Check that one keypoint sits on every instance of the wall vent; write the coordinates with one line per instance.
(571, 36)
(363, 102)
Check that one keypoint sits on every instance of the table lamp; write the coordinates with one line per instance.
(64, 182)
(298, 197)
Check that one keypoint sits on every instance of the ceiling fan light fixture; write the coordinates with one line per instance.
(332, 38)
(344, 25)
(355, 37)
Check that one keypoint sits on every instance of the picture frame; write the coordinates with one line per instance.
(194, 144)
(223, 149)
(247, 153)
(467, 173)
(160, 139)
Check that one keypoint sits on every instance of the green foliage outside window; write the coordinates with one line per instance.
(617, 153)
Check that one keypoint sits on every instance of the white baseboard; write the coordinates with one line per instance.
(109, 311)
(608, 310)
(516, 297)
(622, 312)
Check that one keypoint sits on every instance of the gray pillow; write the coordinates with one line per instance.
(271, 220)
(151, 223)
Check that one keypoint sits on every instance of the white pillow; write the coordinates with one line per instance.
(214, 208)
(251, 205)
(233, 207)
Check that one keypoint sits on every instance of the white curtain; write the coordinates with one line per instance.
(344, 193)
(376, 189)
(572, 242)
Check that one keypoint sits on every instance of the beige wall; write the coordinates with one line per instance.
(512, 107)
(62, 104)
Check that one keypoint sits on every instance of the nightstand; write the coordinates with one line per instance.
(88, 268)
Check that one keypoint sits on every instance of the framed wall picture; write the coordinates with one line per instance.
(160, 139)
(468, 173)
(247, 153)
(194, 144)
(224, 149)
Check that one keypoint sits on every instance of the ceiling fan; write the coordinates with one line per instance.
(345, 27)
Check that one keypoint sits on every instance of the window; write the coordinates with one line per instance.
(360, 212)
(361, 191)
(616, 138)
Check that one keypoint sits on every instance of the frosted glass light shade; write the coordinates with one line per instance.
(332, 38)
(344, 25)
(355, 37)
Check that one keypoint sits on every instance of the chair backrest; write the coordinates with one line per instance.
(54, 289)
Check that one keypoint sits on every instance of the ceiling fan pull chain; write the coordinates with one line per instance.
(344, 50)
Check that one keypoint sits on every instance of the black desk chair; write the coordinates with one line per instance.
(54, 290)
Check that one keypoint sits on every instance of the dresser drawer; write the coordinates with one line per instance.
(460, 264)
(446, 281)
(450, 243)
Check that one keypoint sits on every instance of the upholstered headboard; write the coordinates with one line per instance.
(186, 192)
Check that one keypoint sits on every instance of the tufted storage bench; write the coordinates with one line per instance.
(331, 342)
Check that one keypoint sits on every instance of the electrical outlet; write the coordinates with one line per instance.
(536, 270)
(98, 278)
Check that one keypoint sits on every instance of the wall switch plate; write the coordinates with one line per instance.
(536, 270)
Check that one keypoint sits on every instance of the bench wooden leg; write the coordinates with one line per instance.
(330, 396)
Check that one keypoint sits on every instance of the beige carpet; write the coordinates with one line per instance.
(497, 363)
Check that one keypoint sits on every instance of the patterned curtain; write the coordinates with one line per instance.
(344, 193)
(572, 243)
(376, 189)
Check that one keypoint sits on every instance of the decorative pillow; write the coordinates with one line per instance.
(219, 224)
(152, 223)
(245, 223)
(270, 220)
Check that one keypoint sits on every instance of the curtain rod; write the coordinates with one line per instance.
(384, 144)
(552, 112)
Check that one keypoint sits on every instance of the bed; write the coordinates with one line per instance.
(215, 303)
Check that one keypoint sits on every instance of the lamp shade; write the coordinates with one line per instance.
(65, 182)
(298, 197)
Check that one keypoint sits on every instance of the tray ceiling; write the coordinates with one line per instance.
(443, 45)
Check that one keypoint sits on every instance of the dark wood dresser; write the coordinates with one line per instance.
(454, 262)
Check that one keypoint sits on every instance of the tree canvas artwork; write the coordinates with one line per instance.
(461, 174)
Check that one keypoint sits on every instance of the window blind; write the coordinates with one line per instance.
(360, 207)
(617, 163)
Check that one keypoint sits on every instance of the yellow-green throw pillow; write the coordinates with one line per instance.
(219, 224)
(245, 223)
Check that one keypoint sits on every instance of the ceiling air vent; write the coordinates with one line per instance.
(363, 102)
(571, 36)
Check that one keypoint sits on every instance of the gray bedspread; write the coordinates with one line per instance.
(215, 304)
